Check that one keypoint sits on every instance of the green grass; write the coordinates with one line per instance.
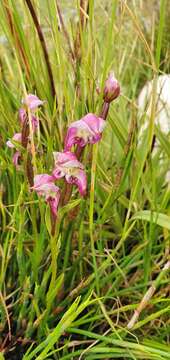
(72, 296)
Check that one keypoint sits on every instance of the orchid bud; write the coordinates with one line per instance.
(111, 89)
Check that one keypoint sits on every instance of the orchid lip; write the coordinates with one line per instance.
(86, 130)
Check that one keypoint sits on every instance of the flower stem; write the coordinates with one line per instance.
(43, 44)
(146, 298)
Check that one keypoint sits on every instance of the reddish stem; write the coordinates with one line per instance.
(105, 110)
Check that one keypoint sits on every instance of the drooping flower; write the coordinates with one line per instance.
(67, 165)
(44, 186)
(111, 89)
(17, 154)
(86, 130)
(32, 101)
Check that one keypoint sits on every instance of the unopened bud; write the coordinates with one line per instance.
(111, 89)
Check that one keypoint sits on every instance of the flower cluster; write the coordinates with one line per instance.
(87, 130)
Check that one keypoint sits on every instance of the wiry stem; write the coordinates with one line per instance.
(146, 298)
(24, 141)
(77, 43)
(43, 44)
(127, 148)
(16, 37)
(65, 32)
(105, 110)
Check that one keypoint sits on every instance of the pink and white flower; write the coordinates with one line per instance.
(44, 186)
(67, 165)
(86, 130)
(32, 102)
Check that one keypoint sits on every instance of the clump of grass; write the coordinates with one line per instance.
(113, 245)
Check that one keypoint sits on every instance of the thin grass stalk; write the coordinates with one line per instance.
(44, 47)
(15, 35)
(66, 35)
(148, 295)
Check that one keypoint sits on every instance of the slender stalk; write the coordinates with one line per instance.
(43, 44)
(105, 110)
(16, 37)
(54, 253)
(77, 43)
(146, 298)
(91, 212)
(65, 32)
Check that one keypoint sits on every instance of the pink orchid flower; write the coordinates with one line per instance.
(86, 130)
(67, 165)
(23, 118)
(44, 186)
(32, 102)
(17, 154)
(111, 89)
(17, 138)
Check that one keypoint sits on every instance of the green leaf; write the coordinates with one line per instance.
(153, 216)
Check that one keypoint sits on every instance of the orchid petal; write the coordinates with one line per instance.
(112, 88)
(22, 115)
(42, 179)
(32, 102)
(66, 159)
(80, 180)
(44, 186)
(87, 130)
(16, 158)
(53, 203)
(16, 137)
(68, 166)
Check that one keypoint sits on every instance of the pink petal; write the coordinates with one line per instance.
(16, 158)
(112, 88)
(16, 137)
(95, 123)
(65, 164)
(44, 186)
(34, 123)
(32, 101)
(41, 180)
(87, 130)
(80, 180)
(53, 203)
(70, 138)
(22, 115)
(67, 159)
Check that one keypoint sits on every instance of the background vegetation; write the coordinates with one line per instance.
(109, 254)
